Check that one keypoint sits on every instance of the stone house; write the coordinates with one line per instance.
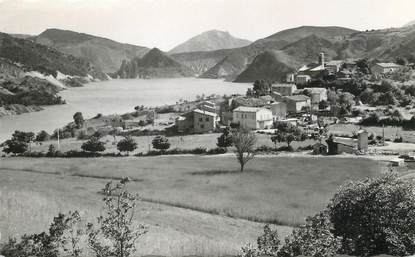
(252, 117)
(204, 121)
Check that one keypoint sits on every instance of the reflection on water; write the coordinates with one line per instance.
(115, 96)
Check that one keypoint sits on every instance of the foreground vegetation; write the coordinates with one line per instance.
(364, 218)
(279, 190)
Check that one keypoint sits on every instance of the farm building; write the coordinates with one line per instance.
(204, 121)
(284, 89)
(297, 103)
(385, 68)
(252, 117)
(279, 110)
(184, 123)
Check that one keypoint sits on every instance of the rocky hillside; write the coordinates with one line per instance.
(268, 65)
(296, 47)
(36, 57)
(209, 41)
(154, 64)
(31, 74)
(238, 59)
(104, 53)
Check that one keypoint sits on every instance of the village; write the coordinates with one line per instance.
(333, 119)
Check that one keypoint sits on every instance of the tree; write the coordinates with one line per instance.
(287, 133)
(42, 136)
(127, 145)
(19, 143)
(14, 146)
(78, 118)
(161, 143)
(244, 142)
(116, 227)
(225, 140)
(261, 87)
(375, 216)
(93, 145)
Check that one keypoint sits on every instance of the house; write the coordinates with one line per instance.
(184, 123)
(208, 106)
(297, 103)
(227, 107)
(252, 117)
(302, 79)
(317, 94)
(279, 110)
(385, 68)
(333, 66)
(284, 89)
(204, 121)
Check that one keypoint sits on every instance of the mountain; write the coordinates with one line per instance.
(268, 65)
(411, 23)
(242, 57)
(154, 64)
(104, 53)
(209, 41)
(36, 57)
(31, 75)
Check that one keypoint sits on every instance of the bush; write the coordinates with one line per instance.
(312, 239)
(127, 145)
(160, 143)
(93, 145)
(375, 216)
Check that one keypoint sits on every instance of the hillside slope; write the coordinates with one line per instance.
(241, 57)
(44, 59)
(104, 53)
(154, 64)
(209, 41)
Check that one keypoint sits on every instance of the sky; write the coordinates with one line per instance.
(167, 23)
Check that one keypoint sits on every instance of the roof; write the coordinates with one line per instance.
(204, 112)
(316, 89)
(298, 98)
(249, 109)
(345, 141)
(387, 64)
(335, 62)
(318, 68)
(284, 85)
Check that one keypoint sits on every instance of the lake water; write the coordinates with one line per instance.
(115, 96)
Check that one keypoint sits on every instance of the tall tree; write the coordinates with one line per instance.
(244, 142)
(78, 118)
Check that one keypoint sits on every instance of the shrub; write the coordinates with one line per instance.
(312, 239)
(93, 145)
(127, 145)
(116, 234)
(161, 143)
(225, 140)
(375, 216)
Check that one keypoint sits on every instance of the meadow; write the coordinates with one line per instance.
(196, 205)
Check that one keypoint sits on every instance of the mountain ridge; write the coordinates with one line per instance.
(104, 53)
(209, 41)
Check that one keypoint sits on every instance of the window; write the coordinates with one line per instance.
(202, 126)
(207, 119)
(200, 119)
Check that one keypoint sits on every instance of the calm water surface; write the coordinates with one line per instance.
(115, 96)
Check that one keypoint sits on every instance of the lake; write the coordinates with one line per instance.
(115, 96)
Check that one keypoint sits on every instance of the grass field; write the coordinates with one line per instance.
(283, 190)
(143, 142)
(390, 132)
